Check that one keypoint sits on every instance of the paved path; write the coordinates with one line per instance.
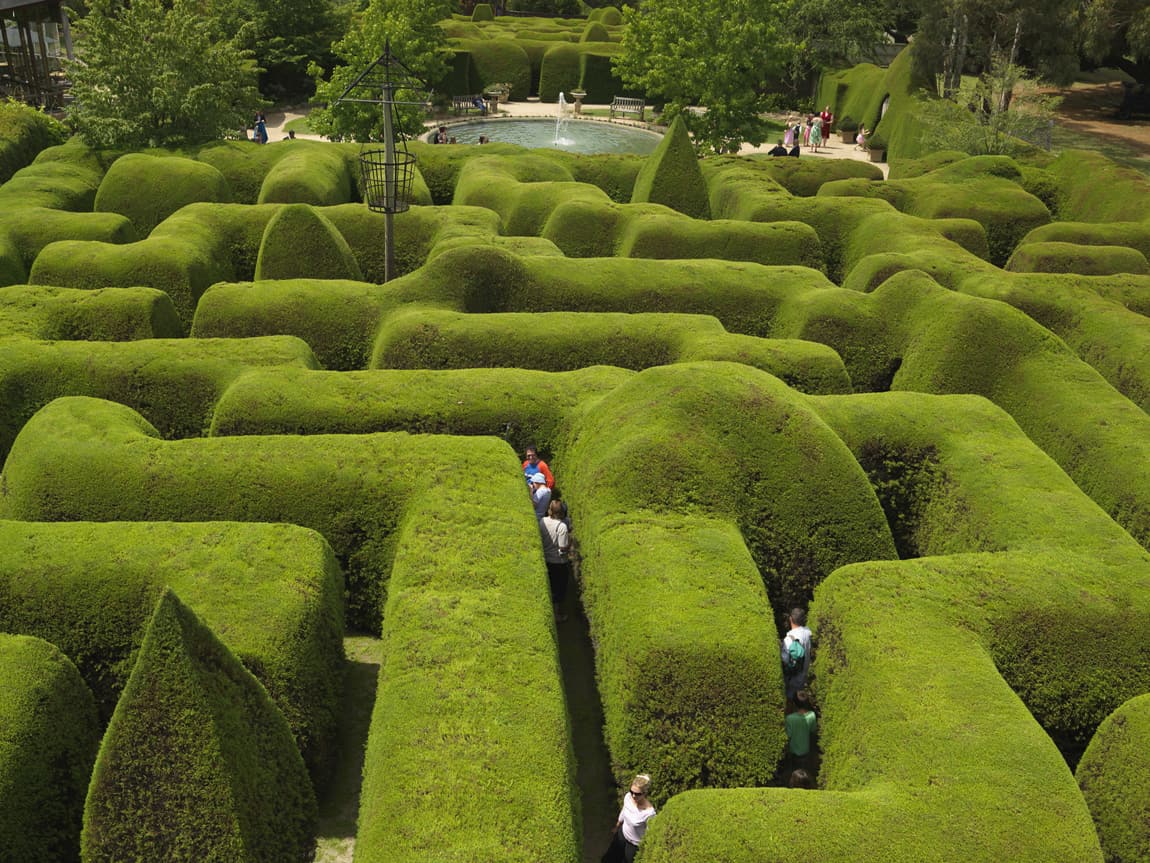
(833, 149)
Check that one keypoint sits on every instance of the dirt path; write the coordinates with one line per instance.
(1086, 120)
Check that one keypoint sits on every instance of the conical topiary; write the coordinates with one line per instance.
(300, 243)
(671, 176)
(197, 763)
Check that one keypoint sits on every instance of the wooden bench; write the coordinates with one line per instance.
(466, 104)
(627, 105)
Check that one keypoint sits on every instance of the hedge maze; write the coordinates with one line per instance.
(918, 405)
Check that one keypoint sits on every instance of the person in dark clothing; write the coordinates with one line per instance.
(778, 149)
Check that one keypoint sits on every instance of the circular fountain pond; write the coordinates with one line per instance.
(575, 136)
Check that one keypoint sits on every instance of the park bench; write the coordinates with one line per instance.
(466, 104)
(627, 105)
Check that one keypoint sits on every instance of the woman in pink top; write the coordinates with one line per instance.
(633, 817)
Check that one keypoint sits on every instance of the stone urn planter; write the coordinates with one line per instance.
(877, 154)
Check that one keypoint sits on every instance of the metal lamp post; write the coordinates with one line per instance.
(386, 175)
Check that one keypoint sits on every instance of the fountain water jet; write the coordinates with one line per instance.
(562, 120)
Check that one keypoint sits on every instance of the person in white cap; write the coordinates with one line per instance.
(540, 494)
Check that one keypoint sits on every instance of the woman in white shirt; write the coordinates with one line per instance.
(633, 817)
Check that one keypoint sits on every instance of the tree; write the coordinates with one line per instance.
(712, 53)
(1117, 33)
(835, 33)
(416, 39)
(1002, 112)
(149, 74)
(955, 36)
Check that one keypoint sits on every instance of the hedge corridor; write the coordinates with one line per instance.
(917, 405)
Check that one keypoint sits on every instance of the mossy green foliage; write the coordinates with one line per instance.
(560, 72)
(1061, 575)
(801, 177)
(597, 73)
(499, 61)
(987, 189)
(1135, 235)
(470, 705)
(420, 338)
(197, 762)
(1114, 775)
(147, 188)
(527, 407)
(353, 490)
(48, 740)
(175, 382)
(275, 592)
(595, 31)
(311, 172)
(1095, 189)
(110, 314)
(671, 176)
(1092, 260)
(482, 12)
(52, 200)
(24, 132)
(652, 235)
(299, 241)
(680, 527)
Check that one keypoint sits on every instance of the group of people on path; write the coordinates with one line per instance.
(813, 133)
(554, 527)
(801, 720)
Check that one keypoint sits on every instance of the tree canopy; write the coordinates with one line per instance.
(713, 53)
(416, 39)
(154, 74)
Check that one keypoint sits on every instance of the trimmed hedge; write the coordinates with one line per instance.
(147, 188)
(300, 242)
(1093, 260)
(470, 696)
(899, 776)
(311, 172)
(197, 763)
(24, 132)
(48, 740)
(110, 314)
(175, 382)
(692, 689)
(1114, 775)
(671, 176)
(274, 591)
(559, 71)
(560, 341)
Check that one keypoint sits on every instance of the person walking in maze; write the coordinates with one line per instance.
(795, 651)
(802, 725)
(556, 535)
(540, 494)
(633, 817)
(532, 465)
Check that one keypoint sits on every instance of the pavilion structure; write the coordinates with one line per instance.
(34, 41)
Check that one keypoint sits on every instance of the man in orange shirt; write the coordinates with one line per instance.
(533, 464)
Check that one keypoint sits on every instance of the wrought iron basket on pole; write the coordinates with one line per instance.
(387, 172)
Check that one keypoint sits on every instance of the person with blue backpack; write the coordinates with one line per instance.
(795, 651)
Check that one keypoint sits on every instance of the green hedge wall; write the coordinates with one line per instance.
(559, 72)
(1092, 260)
(146, 189)
(1114, 775)
(671, 176)
(103, 315)
(299, 241)
(469, 651)
(561, 341)
(197, 763)
(275, 591)
(48, 740)
(175, 382)
(24, 132)
(698, 519)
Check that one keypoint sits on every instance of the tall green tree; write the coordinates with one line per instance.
(150, 73)
(416, 39)
(1117, 33)
(835, 33)
(710, 53)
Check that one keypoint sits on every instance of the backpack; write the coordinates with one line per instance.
(793, 658)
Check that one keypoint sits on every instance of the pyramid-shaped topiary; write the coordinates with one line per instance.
(300, 243)
(671, 176)
(197, 763)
